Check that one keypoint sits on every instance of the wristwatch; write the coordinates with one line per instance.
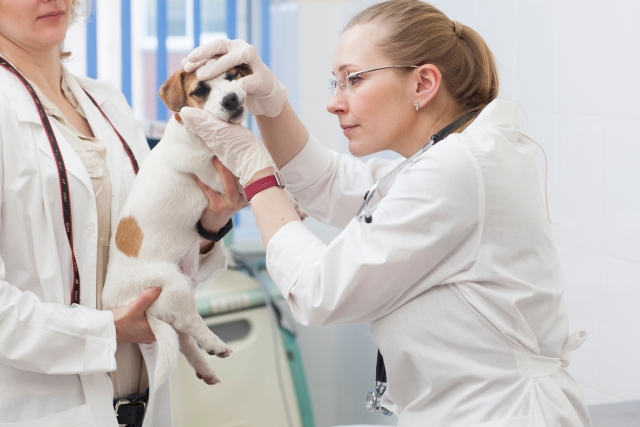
(254, 188)
(214, 237)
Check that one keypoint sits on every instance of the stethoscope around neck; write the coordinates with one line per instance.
(366, 210)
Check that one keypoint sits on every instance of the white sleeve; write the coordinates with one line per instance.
(425, 232)
(212, 264)
(331, 186)
(53, 338)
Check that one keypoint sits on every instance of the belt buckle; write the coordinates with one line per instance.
(118, 403)
(128, 402)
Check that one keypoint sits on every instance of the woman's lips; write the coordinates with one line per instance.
(347, 128)
(52, 16)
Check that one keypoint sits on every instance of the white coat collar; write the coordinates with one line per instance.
(498, 113)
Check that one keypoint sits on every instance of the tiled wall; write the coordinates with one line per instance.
(574, 68)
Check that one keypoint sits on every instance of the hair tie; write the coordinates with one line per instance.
(457, 29)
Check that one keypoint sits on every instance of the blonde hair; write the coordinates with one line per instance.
(78, 8)
(417, 33)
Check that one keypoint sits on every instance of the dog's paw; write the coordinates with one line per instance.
(220, 351)
(209, 378)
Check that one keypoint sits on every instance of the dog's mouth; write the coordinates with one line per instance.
(237, 116)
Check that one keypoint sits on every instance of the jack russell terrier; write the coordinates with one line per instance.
(156, 242)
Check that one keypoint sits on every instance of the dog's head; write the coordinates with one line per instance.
(222, 96)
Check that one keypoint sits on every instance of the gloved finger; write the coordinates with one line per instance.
(145, 299)
(249, 83)
(213, 69)
(190, 67)
(209, 50)
(201, 122)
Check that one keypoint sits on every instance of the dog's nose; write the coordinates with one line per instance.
(230, 102)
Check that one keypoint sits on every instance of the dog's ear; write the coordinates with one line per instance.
(172, 92)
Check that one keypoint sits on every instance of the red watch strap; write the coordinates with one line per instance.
(261, 184)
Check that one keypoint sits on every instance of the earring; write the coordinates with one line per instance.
(415, 104)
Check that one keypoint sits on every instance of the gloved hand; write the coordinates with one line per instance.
(265, 94)
(236, 146)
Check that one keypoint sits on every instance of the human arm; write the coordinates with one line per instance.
(425, 232)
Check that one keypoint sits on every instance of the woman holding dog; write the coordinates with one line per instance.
(67, 166)
(457, 273)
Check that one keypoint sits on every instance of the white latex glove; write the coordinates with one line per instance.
(236, 146)
(265, 94)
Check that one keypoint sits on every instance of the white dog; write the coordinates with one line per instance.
(156, 242)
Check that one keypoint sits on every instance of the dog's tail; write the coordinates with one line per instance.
(168, 349)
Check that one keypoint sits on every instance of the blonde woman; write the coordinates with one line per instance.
(65, 172)
(456, 270)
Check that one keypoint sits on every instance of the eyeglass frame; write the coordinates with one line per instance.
(333, 83)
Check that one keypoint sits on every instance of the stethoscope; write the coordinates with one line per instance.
(366, 211)
(374, 397)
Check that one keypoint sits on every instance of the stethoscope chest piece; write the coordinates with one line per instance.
(373, 398)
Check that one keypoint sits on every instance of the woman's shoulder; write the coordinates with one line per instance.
(100, 88)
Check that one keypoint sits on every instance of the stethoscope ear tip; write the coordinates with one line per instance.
(368, 219)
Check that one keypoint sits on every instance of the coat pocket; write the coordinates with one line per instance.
(80, 416)
(526, 421)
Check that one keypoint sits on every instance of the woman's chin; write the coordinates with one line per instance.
(359, 149)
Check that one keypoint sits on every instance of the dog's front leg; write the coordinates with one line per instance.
(196, 359)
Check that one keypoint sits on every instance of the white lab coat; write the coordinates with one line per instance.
(457, 273)
(54, 357)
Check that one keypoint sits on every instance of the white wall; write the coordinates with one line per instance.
(573, 67)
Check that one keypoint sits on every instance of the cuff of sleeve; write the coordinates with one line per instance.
(100, 348)
(307, 167)
(287, 253)
(212, 264)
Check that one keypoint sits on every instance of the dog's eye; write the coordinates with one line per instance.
(201, 91)
(231, 76)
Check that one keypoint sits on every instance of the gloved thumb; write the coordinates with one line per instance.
(201, 122)
(249, 83)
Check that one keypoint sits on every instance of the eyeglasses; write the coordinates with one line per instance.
(351, 78)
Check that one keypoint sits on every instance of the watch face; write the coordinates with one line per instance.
(370, 401)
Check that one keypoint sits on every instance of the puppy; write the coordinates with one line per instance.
(156, 242)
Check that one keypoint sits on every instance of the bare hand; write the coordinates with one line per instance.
(131, 322)
(221, 206)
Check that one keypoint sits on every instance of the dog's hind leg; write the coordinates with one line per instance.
(176, 305)
(196, 359)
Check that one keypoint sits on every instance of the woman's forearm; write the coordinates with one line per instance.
(272, 209)
(284, 135)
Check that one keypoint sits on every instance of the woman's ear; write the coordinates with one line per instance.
(427, 79)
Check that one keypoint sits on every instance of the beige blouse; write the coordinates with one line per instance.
(131, 375)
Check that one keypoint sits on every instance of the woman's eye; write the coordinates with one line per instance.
(354, 79)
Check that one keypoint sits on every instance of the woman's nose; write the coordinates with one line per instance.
(337, 103)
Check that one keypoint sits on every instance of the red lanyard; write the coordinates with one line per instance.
(65, 195)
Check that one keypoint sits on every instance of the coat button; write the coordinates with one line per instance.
(90, 228)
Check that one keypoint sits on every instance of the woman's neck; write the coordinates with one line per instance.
(42, 67)
(431, 119)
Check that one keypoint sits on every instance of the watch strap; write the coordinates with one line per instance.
(214, 237)
(262, 184)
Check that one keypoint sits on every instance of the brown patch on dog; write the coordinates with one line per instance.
(129, 237)
(183, 89)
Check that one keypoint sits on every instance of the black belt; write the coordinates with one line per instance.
(130, 410)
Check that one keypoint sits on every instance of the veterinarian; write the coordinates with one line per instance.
(457, 272)
(58, 351)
